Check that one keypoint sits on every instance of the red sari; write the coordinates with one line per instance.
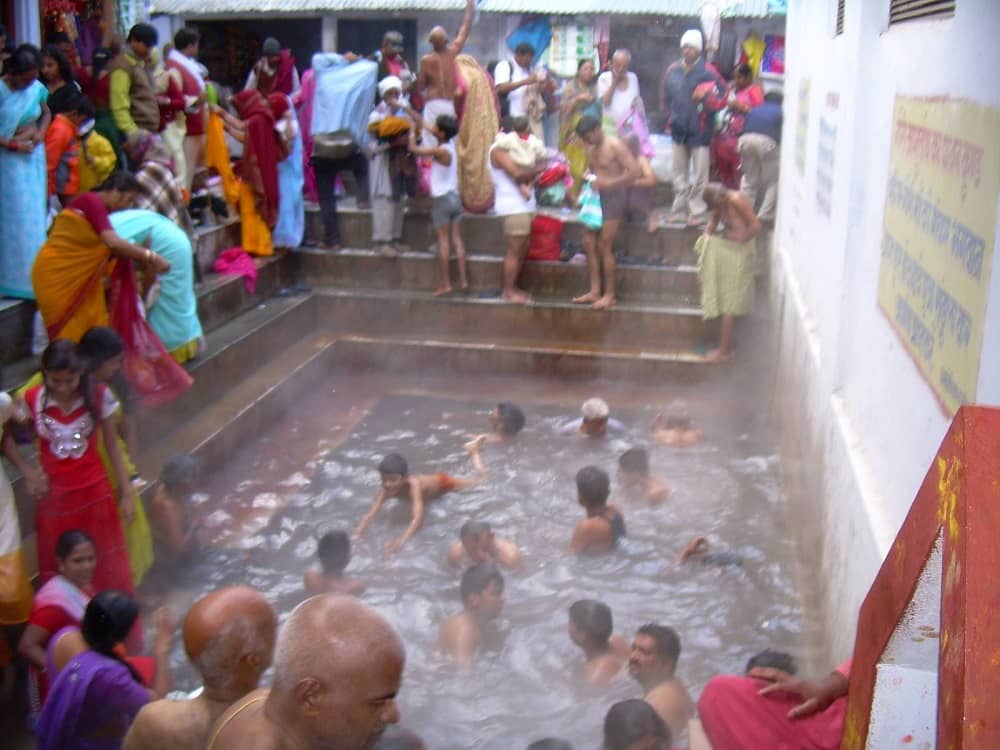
(79, 496)
(259, 167)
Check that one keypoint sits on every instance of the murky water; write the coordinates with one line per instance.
(316, 472)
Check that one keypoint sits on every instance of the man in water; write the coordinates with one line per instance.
(338, 668)
(726, 262)
(229, 637)
(615, 169)
(592, 629)
(477, 544)
(437, 84)
(604, 525)
(595, 419)
(636, 481)
(652, 662)
(482, 600)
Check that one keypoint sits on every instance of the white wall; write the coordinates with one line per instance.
(865, 425)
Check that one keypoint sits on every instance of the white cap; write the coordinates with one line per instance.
(691, 38)
(595, 408)
(388, 84)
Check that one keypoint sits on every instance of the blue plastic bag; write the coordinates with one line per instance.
(591, 215)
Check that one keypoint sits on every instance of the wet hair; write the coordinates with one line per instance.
(774, 97)
(744, 70)
(593, 618)
(62, 62)
(184, 38)
(25, 57)
(774, 660)
(122, 181)
(69, 540)
(472, 529)
(107, 621)
(668, 643)
(393, 464)
(334, 551)
(593, 485)
(635, 460)
(61, 356)
(631, 721)
(478, 578)
(551, 743)
(448, 125)
(587, 124)
(144, 33)
(511, 418)
(524, 48)
(178, 472)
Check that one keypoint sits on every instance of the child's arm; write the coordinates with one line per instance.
(417, 498)
(370, 515)
(38, 482)
(439, 154)
(126, 496)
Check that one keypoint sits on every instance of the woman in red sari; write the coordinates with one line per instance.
(70, 416)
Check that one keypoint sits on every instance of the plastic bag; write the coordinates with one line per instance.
(147, 365)
(591, 215)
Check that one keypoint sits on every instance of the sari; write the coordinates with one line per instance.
(479, 121)
(259, 166)
(23, 187)
(303, 101)
(569, 142)
(15, 588)
(291, 224)
(67, 277)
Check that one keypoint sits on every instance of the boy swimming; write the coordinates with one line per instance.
(334, 553)
(477, 544)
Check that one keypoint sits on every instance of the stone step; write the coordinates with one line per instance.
(643, 326)
(483, 234)
(357, 269)
(210, 241)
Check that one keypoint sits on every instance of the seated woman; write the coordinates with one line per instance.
(68, 274)
(58, 604)
(96, 693)
(173, 310)
(635, 725)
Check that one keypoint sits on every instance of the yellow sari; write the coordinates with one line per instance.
(68, 277)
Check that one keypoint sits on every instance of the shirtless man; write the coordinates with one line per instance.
(338, 668)
(635, 480)
(229, 637)
(436, 81)
(675, 431)
(592, 629)
(482, 602)
(604, 524)
(417, 489)
(652, 662)
(732, 212)
(615, 169)
(477, 544)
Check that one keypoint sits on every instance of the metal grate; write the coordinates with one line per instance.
(840, 17)
(901, 11)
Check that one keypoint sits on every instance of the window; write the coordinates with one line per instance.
(840, 17)
(901, 11)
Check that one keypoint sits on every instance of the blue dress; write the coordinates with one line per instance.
(291, 224)
(23, 191)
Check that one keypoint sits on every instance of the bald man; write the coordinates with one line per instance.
(437, 84)
(338, 667)
(229, 637)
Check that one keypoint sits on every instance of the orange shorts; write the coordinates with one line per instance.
(445, 482)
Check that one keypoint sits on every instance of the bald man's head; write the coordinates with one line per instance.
(438, 38)
(338, 668)
(229, 636)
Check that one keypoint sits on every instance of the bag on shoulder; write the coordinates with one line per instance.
(339, 144)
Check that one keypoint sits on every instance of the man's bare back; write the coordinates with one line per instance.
(436, 75)
(673, 703)
(246, 720)
(174, 725)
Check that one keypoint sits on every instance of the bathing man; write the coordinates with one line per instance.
(615, 169)
(477, 545)
(595, 419)
(437, 85)
(334, 553)
(229, 637)
(482, 600)
(636, 481)
(652, 662)
(604, 525)
(337, 669)
(726, 262)
(591, 628)
(675, 431)
(417, 489)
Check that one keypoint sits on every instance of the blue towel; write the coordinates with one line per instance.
(537, 33)
(345, 94)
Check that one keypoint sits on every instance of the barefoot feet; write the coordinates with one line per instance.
(587, 299)
(516, 296)
(604, 302)
(718, 355)
(442, 290)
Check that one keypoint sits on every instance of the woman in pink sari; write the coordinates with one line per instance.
(303, 101)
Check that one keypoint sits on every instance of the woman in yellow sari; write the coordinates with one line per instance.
(69, 271)
(579, 98)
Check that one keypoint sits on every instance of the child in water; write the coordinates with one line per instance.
(636, 481)
(417, 489)
(675, 431)
(482, 600)
(334, 553)
(477, 545)
(169, 514)
(591, 628)
(604, 525)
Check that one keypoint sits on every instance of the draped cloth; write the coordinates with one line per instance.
(569, 142)
(67, 277)
(15, 589)
(726, 275)
(478, 124)
(259, 167)
(291, 225)
(23, 194)
(303, 101)
(345, 95)
(217, 158)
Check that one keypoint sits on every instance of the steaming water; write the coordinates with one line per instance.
(289, 487)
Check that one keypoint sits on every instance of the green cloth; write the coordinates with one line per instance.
(726, 275)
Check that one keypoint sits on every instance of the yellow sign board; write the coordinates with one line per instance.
(937, 239)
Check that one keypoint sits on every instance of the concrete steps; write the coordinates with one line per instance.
(417, 271)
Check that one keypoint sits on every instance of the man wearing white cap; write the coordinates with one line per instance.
(387, 173)
(693, 92)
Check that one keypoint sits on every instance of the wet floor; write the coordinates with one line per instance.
(316, 471)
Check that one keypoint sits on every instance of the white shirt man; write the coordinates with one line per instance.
(625, 83)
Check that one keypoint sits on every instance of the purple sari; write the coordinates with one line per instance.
(90, 705)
